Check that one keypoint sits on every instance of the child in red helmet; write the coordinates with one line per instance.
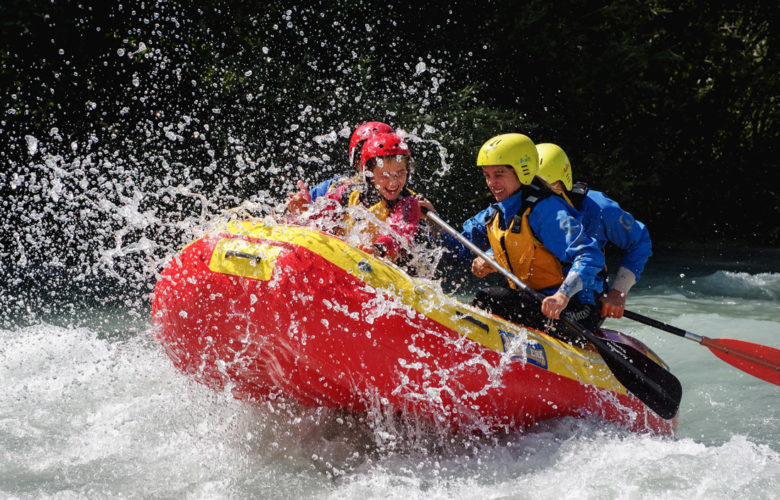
(384, 168)
(298, 201)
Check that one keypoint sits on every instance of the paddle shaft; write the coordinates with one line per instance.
(478, 251)
(662, 326)
(707, 342)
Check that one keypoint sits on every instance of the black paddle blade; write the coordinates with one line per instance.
(652, 384)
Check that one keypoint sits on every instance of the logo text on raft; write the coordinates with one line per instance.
(534, 351)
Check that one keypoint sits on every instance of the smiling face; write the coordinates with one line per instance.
(501, 180)
(390, 175)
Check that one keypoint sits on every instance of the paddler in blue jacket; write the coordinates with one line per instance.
(605, 221)
(538, 236)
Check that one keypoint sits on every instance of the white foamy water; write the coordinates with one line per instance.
(91, 407)
(101, 412)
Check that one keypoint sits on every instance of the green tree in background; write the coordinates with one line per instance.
(670, 107)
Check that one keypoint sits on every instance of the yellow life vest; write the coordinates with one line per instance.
(380, 210)
(517, 249)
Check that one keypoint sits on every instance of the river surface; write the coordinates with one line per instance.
(91, 407)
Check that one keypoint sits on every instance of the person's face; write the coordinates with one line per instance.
(390, 176)
(501, 180)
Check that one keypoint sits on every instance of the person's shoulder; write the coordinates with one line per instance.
(485, 214)
(410, 200)
(555, 202)
(326, 183)
(322, 188)
(599, 202)
(600, 198)
(481, 218)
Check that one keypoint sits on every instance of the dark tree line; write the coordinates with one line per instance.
(669, 106)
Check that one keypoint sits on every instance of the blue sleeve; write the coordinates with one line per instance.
(322, 188)
(629, 235)
(475, 230)
(558, 227)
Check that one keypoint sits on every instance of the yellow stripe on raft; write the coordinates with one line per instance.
(240, 257)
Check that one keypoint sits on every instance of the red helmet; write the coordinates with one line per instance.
(362, 133)
(383, 145)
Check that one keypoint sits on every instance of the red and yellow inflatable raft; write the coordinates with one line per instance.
(266, 310)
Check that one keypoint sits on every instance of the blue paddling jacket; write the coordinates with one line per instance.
(605, 221)
(556, 224)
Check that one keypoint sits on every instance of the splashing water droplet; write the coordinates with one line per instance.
(32, 144)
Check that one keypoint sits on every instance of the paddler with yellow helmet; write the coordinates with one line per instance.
(605, 221)
(537, 236)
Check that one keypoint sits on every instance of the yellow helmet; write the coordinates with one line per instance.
(554, 165)
(514, 150)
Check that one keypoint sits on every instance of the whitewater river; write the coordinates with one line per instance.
(95, 199)
(91, 407)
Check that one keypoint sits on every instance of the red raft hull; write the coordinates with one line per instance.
(276, 317)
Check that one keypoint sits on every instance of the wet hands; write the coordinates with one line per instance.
(553, 306)
(425, 204)
(613, 303)
(298, 201)
(481, 268)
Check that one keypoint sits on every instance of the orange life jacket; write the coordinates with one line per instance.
(517, 249)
